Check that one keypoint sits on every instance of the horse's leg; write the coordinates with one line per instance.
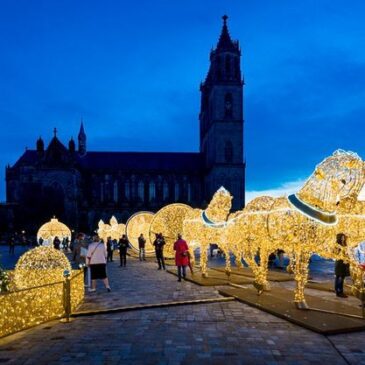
(228, 259)
(300, 266)
(203, 259)
(237, 256)
(250, 255)
(263, 269)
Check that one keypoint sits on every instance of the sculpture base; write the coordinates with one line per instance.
(323, 316)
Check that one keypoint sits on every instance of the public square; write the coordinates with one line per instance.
(207, 333)
(221, 138)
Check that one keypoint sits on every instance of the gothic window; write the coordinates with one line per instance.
(102, 192)
(237, 67)
(115, 192)
(165, 191)
(141, 190)
(177, 191)
(152, 191)
(228, 104)
(228, 152)
(189, 192)
(127, 190)
(228, 65)
(219, 73)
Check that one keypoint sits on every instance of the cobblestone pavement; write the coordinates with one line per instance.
(216, 333)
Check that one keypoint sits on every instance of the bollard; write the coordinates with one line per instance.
(67, 296)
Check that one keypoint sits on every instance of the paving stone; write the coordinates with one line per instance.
(216, 333)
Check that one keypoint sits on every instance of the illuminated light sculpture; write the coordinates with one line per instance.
(39, 266)
(138, 223)
(53, 228)
(169, 221)
(202, 227)
(304, 223)
(114, 230)
(250, 243)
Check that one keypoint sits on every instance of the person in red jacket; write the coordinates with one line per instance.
(181, 256)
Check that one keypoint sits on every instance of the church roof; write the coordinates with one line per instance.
(143, 161)
(134, 161)
(29, 157)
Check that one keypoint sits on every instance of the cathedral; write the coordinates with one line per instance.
(80, 187)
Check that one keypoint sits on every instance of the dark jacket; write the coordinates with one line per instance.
(159, 243)
(123, 245)
(141, 242)
(342, 269)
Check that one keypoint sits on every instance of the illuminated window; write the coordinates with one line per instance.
(177, 191)
(115, 191)
(101, 192)
(152, 191)
(141, 190)
(127, 190)
(165, 190)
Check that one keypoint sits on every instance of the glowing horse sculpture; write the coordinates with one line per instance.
(202, 227)
(301, 224)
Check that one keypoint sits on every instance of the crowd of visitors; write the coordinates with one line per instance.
(96, 253)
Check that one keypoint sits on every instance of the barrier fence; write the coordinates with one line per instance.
(25, 308)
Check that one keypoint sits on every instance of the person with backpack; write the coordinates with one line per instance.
(123, 247)
(159, 244)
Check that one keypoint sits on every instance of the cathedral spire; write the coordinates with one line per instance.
(225, 42)
(82, 139)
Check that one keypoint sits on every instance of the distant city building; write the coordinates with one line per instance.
(80, 187)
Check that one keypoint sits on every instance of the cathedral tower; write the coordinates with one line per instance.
(221, 120)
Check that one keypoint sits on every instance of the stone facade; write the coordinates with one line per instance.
(81, 187)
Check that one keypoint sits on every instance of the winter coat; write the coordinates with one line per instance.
(342, 269)
(181, 253)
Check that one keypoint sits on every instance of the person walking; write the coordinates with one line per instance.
(123, 247)
(159, 244)
(96, 260)
(181, 256)
(341, 269)
(109, 249)
(141, 246)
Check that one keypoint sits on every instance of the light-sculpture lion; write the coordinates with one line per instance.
(202, 227)
(304, 223)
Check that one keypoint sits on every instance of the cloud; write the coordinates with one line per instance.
(285, 189)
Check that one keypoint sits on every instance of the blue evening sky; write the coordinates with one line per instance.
(132, 70)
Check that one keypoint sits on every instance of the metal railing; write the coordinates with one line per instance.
(25, 308)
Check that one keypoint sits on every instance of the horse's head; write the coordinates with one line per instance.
(337, 177)
(220, 206)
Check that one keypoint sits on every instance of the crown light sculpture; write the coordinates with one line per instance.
(53, 228)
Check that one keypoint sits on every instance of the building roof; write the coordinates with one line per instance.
(144, 161)
(140, 161)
